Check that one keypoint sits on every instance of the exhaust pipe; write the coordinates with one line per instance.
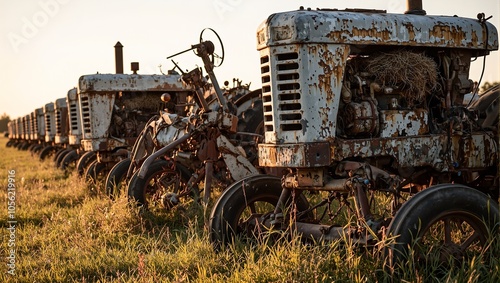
(119, 58)
(414, 7)
(134, 66)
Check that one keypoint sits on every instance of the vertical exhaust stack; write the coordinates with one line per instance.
(415, 7)
(119, 58)
(134, 66)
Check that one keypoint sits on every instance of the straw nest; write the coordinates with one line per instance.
(413, 74)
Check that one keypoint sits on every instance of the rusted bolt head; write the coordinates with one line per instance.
(165, 97)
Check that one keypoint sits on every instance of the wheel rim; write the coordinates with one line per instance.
(451, 238)
(251, 216)
(159, 189)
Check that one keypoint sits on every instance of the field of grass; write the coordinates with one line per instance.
(65, 233)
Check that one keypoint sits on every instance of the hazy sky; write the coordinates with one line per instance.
(46, 45)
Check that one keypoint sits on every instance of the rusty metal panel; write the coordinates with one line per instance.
(346, 27)
(301, 91)
(238, 165)
(168, 128)
(106, 144)
(294, 155)
(123, 82)
(400, 123)
(476, 151)
(96, 112)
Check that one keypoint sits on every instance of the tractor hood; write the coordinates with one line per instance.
(371, 27)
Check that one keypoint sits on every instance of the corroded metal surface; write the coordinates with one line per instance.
(124, 82)
(376, 28)
(400, 123)
(294, 155)
(431, 150)
(106, 144)
(235, 162)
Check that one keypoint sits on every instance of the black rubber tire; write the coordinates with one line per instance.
(30, 148)
(68, 160)
(137, 187)
(59, 151)
(444, 201)
(226, 213)
(94, 172)
(60, 156)
(116, 177)
(36, 149)
(84, 161)
(23, 145)
(46, 152)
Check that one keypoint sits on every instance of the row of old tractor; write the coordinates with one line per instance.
(109, 125)
(358, 134)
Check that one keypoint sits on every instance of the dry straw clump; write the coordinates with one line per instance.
(413, 74)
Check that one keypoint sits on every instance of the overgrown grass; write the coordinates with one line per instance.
(66, 234)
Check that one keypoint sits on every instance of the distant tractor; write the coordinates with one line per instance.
(114, 108)
(74, 147)
(37, 125)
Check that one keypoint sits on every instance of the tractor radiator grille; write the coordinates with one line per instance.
(58, 122)
(73, 116)
(34, 125)
(48, 124)
(288, 91)
(266, 94)
(85, 108)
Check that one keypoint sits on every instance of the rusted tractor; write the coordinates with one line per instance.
(74, 150)
(114, 108)
(37, 125)
(214, 145)
(50, 131)
(61, 123)
(365, 124)
(11, 129)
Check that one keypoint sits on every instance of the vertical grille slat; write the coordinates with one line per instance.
(73, 113)
(85, 108)
(266, 93)
(48, 124)
(288, 91)
(58, 122)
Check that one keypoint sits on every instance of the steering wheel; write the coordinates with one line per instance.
(220, 47)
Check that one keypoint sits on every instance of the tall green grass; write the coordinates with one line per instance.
(64, 233)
